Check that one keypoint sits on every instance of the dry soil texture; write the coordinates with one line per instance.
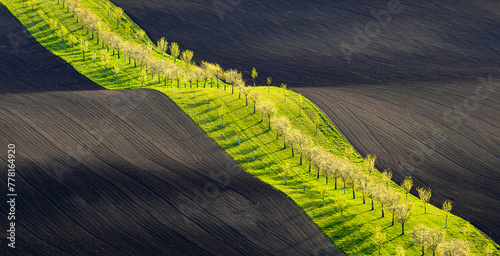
(104, 172)
(387, 74)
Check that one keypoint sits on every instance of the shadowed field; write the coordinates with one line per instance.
(387, 88)
(103, 172)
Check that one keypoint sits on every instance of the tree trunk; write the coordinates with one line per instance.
(372, 203)
(402, 228)
(255, 103)
(382, 211)
(326, 180)
(300, 158)
(269, 129)
(292, 152)
(335, 183)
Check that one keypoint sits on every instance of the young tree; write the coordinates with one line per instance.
(107, 7)
(300, 101)
(140, 35)
(254, 97)
(403, 214)
(116, 70)
(425, 195)
(84, 46)
(286, 169)
(466, 230)
(63, 32)
(406, 186)
(421, 234)
(254, 75)
(400, 251)
(292, 138)
(340, 205)
(162, 46)
(53, 23)
(32, 5)
(446, 209)
(268, 109)
(94, 56)
(283, 86)
(222, 112)
(387, 176)
(105, 61)
(187, 56)
(41, 15)
(72, 41)
(118, 13)
(174, 51)
(269, 81)
(370, 163)
(379, 238)
(143, 77)
(323, 194)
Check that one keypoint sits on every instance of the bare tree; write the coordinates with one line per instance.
(254, 75)
(446, 209)
(425, 195)
(254, 97)
(379, 238)
(406, 186)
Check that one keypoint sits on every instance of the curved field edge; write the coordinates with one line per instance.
(258, 148)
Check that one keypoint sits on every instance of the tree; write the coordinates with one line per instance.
(304, 141)
(162, 46)
(231, 76)
(434, 239)
(72, 41)
(32, 5)
(41, 14)
(143, 77)
(281, 125)
(387, 176)
(268, 109)
(174, 51)
(490, 250)
(63, 32)
(370, 163)
(84, 46)
(269, 81)
(400, 251)
(406, 186)
(454, 247)
(425, 195)
(421, 234)
(392, 202)
(446, 209)
(254, 75)
(283, 86)
(323, 194)
(140, 35)
(222, 112)
(292, 138)
(254, 97)
(187, 56)
(107, 7)
(286, 169)
(363, 186)
(53, 26)
(383, 198)
(105, 61)
(118, 13)
(403, 214)
(94, 56)
(340, 205)
(465, 230)
(379, 238)
(116, 70)
(300, 101)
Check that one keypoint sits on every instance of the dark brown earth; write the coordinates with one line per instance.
(389, 96)
(104, 172)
